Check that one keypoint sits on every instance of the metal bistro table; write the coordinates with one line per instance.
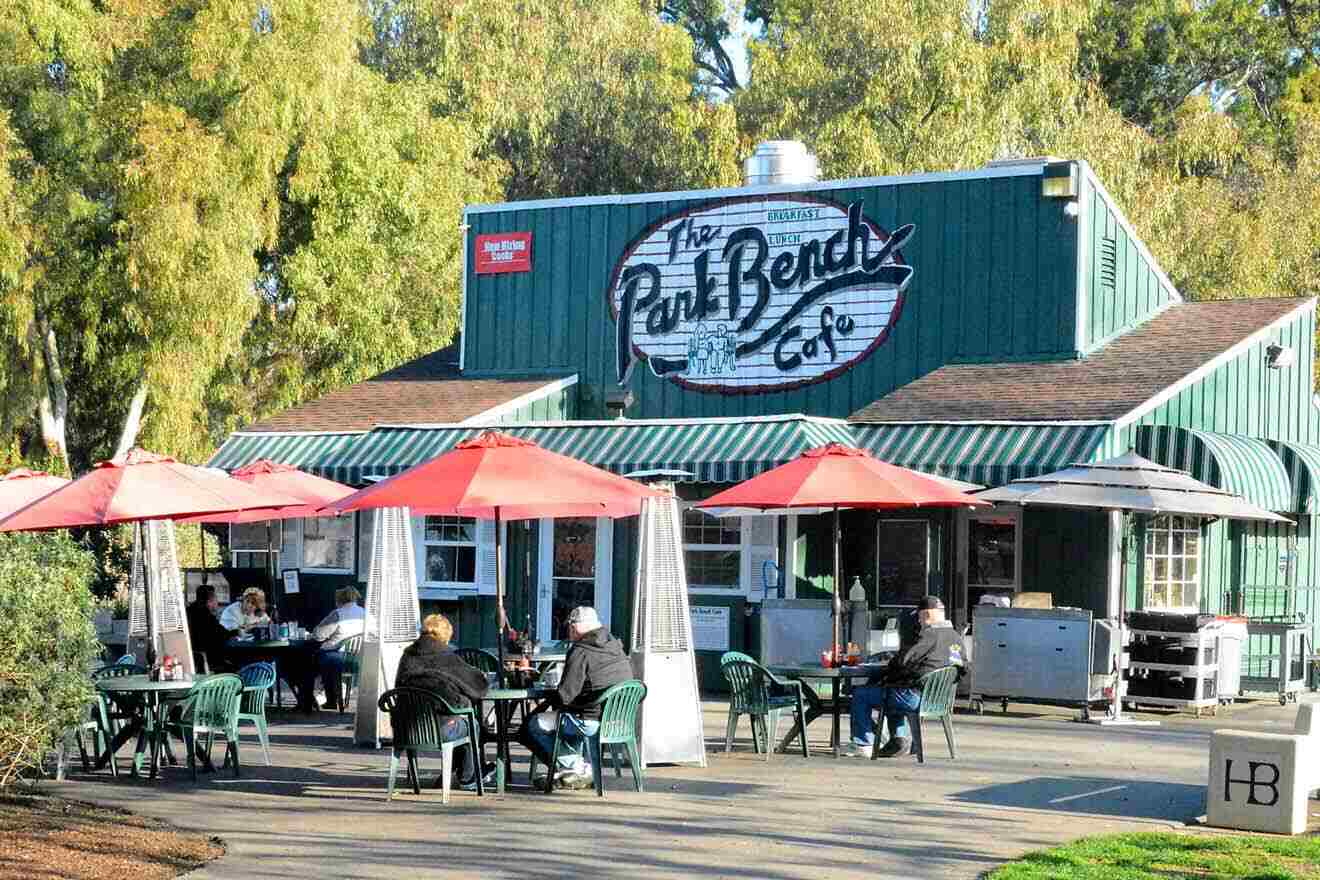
(504, 700)
(149, 724)
(291, 657)
(816, 705)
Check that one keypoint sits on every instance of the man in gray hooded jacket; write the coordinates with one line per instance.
(595, 663)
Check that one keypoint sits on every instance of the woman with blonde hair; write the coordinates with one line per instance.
(247, 612)
(431, 665)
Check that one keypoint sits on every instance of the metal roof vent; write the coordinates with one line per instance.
(780, 162)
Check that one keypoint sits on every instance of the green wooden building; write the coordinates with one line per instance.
(981, 325)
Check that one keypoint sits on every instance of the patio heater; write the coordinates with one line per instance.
(663, 656)
(393, 619)
(158, 622)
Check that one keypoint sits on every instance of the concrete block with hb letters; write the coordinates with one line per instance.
(1263, 781)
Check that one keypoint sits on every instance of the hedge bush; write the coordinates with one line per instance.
(49, 644)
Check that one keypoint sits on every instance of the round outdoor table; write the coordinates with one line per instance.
(151, 723)
(816, 707)
(504, 698)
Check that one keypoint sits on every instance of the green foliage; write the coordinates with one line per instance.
(1158, 855)
(48, 649)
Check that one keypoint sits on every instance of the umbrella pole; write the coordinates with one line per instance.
(1115, 718)
(499, 596)
(836, 605)
(147, 579)
(201, 534)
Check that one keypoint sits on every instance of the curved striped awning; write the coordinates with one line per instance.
(712, 450)
(303, 451)
(1302, 462)
(987, 454)
(1245, 466)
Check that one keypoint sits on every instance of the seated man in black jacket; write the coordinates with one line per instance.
(595, 663)
(208, 636)
(431, 665)
(937, 644)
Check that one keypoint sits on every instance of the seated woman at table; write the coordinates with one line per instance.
(348, 620)
(431, 665)
(247, 612)
(595, 662)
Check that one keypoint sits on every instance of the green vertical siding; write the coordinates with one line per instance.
(1066, 553)
(990, 257)
(556, 406)
(1123, 287)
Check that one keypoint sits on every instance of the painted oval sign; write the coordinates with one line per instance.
(757, 294)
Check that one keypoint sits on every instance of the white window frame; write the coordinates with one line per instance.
(545, 575)
(1164, 524)
(741, 587)
(428, 589)
(302, 547)
(749, 580)
(277, 536)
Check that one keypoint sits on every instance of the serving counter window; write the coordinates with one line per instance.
(993, 550)
(712, 550)
(449, 552)
(1172, 575)
(250, 542)
(328, 543)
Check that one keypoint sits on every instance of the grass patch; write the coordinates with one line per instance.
(1168, 856)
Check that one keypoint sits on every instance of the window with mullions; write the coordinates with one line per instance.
(712, 549)
(450, 551)
(1173, 564)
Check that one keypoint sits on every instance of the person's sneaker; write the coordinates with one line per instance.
(575, 781)
(857, 750)
(487, 781)
(897, 747)
(320, 698)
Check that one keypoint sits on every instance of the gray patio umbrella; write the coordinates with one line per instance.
(1128, 484)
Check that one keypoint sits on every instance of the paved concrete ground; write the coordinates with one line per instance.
(1028, 779)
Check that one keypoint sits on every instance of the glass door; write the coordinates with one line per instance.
(575, 570)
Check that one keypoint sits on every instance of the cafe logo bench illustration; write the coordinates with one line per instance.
(757, 294)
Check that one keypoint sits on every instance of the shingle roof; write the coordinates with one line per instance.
(428, 390)
(1104, 386)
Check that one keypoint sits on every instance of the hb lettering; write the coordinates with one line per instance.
(1253, 782)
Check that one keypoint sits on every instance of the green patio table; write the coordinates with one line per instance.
(816, 706)
(504, 699)
(149, 725)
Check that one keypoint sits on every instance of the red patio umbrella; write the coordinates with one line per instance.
(140, 486)
(496, 476)
(835, 476)
(20, 487)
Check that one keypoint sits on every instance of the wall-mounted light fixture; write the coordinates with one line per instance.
(617, 401)
(1279, 356)
(1058, 180)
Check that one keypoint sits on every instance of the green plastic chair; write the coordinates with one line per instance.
(617, 730)
(211, 707)
(121, 707)
(417, 719)
(352, 648)
(258, 678)
(763, 697)
(938, 690)
(484, 661)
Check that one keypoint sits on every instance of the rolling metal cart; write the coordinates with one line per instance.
(1174, 669)
(1277, 653)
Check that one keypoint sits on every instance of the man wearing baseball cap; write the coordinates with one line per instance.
(937, 645)
(595, 662)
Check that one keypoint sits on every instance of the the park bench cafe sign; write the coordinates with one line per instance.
(757, 294)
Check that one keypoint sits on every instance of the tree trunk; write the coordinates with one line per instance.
(132, 421)
(54, 404)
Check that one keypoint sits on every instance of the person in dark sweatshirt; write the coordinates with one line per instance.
(431, 665)
(595, 662)
(937, 644)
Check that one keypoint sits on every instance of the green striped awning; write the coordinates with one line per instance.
(304, 451)
(1302, 462)
(1245, 466)
(988, 454)
(713, 450)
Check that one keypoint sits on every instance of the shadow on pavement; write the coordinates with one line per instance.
(1120, 798)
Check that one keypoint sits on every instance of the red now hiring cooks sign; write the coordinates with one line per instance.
(757, 294)
(504, 252)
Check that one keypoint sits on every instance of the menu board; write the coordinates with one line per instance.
(710, 627)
